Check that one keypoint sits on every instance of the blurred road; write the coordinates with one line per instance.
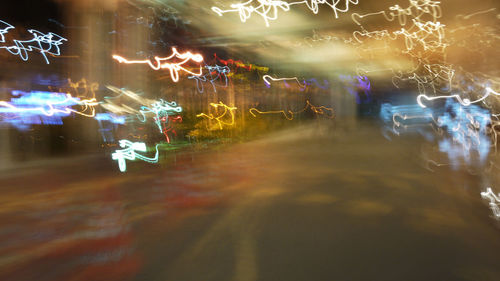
(312, 203)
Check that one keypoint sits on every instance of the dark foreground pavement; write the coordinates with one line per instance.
(305, 204)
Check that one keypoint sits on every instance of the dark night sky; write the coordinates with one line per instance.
(30, 13)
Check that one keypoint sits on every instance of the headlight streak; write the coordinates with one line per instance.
(426, 46)
(212, 74)
(417, 9)
(289, 115)
(48, 107)
(4, 30)
(173, 67)
(220, 122)
(494, 201)
(129, 153)
(268, 9)
(164, 113)
(43, 43)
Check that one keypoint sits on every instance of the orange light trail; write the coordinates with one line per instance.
(174, 67)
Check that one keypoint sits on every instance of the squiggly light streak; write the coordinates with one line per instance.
(161, 109)
(44, 43)
(494, 201)
(464, 102)
(50, 107)
(423, 39)
(129, 153)
(289, 115)
(268, 9)
(227, 110)
(417, 9)
(240, 64)
(174, 67)
(4, 30)
(213, 74)
(268, 78)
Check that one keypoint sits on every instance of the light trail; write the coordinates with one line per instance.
(227, 110)
(49, 107)
(129, 153)
(462, 101)
(289, 115)
(268, 78)
(213, 74)
(494, 201)
(162, 111)
(173, 67)
(44, 43)
(268, 9)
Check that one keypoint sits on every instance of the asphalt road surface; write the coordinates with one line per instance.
(309, 203)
